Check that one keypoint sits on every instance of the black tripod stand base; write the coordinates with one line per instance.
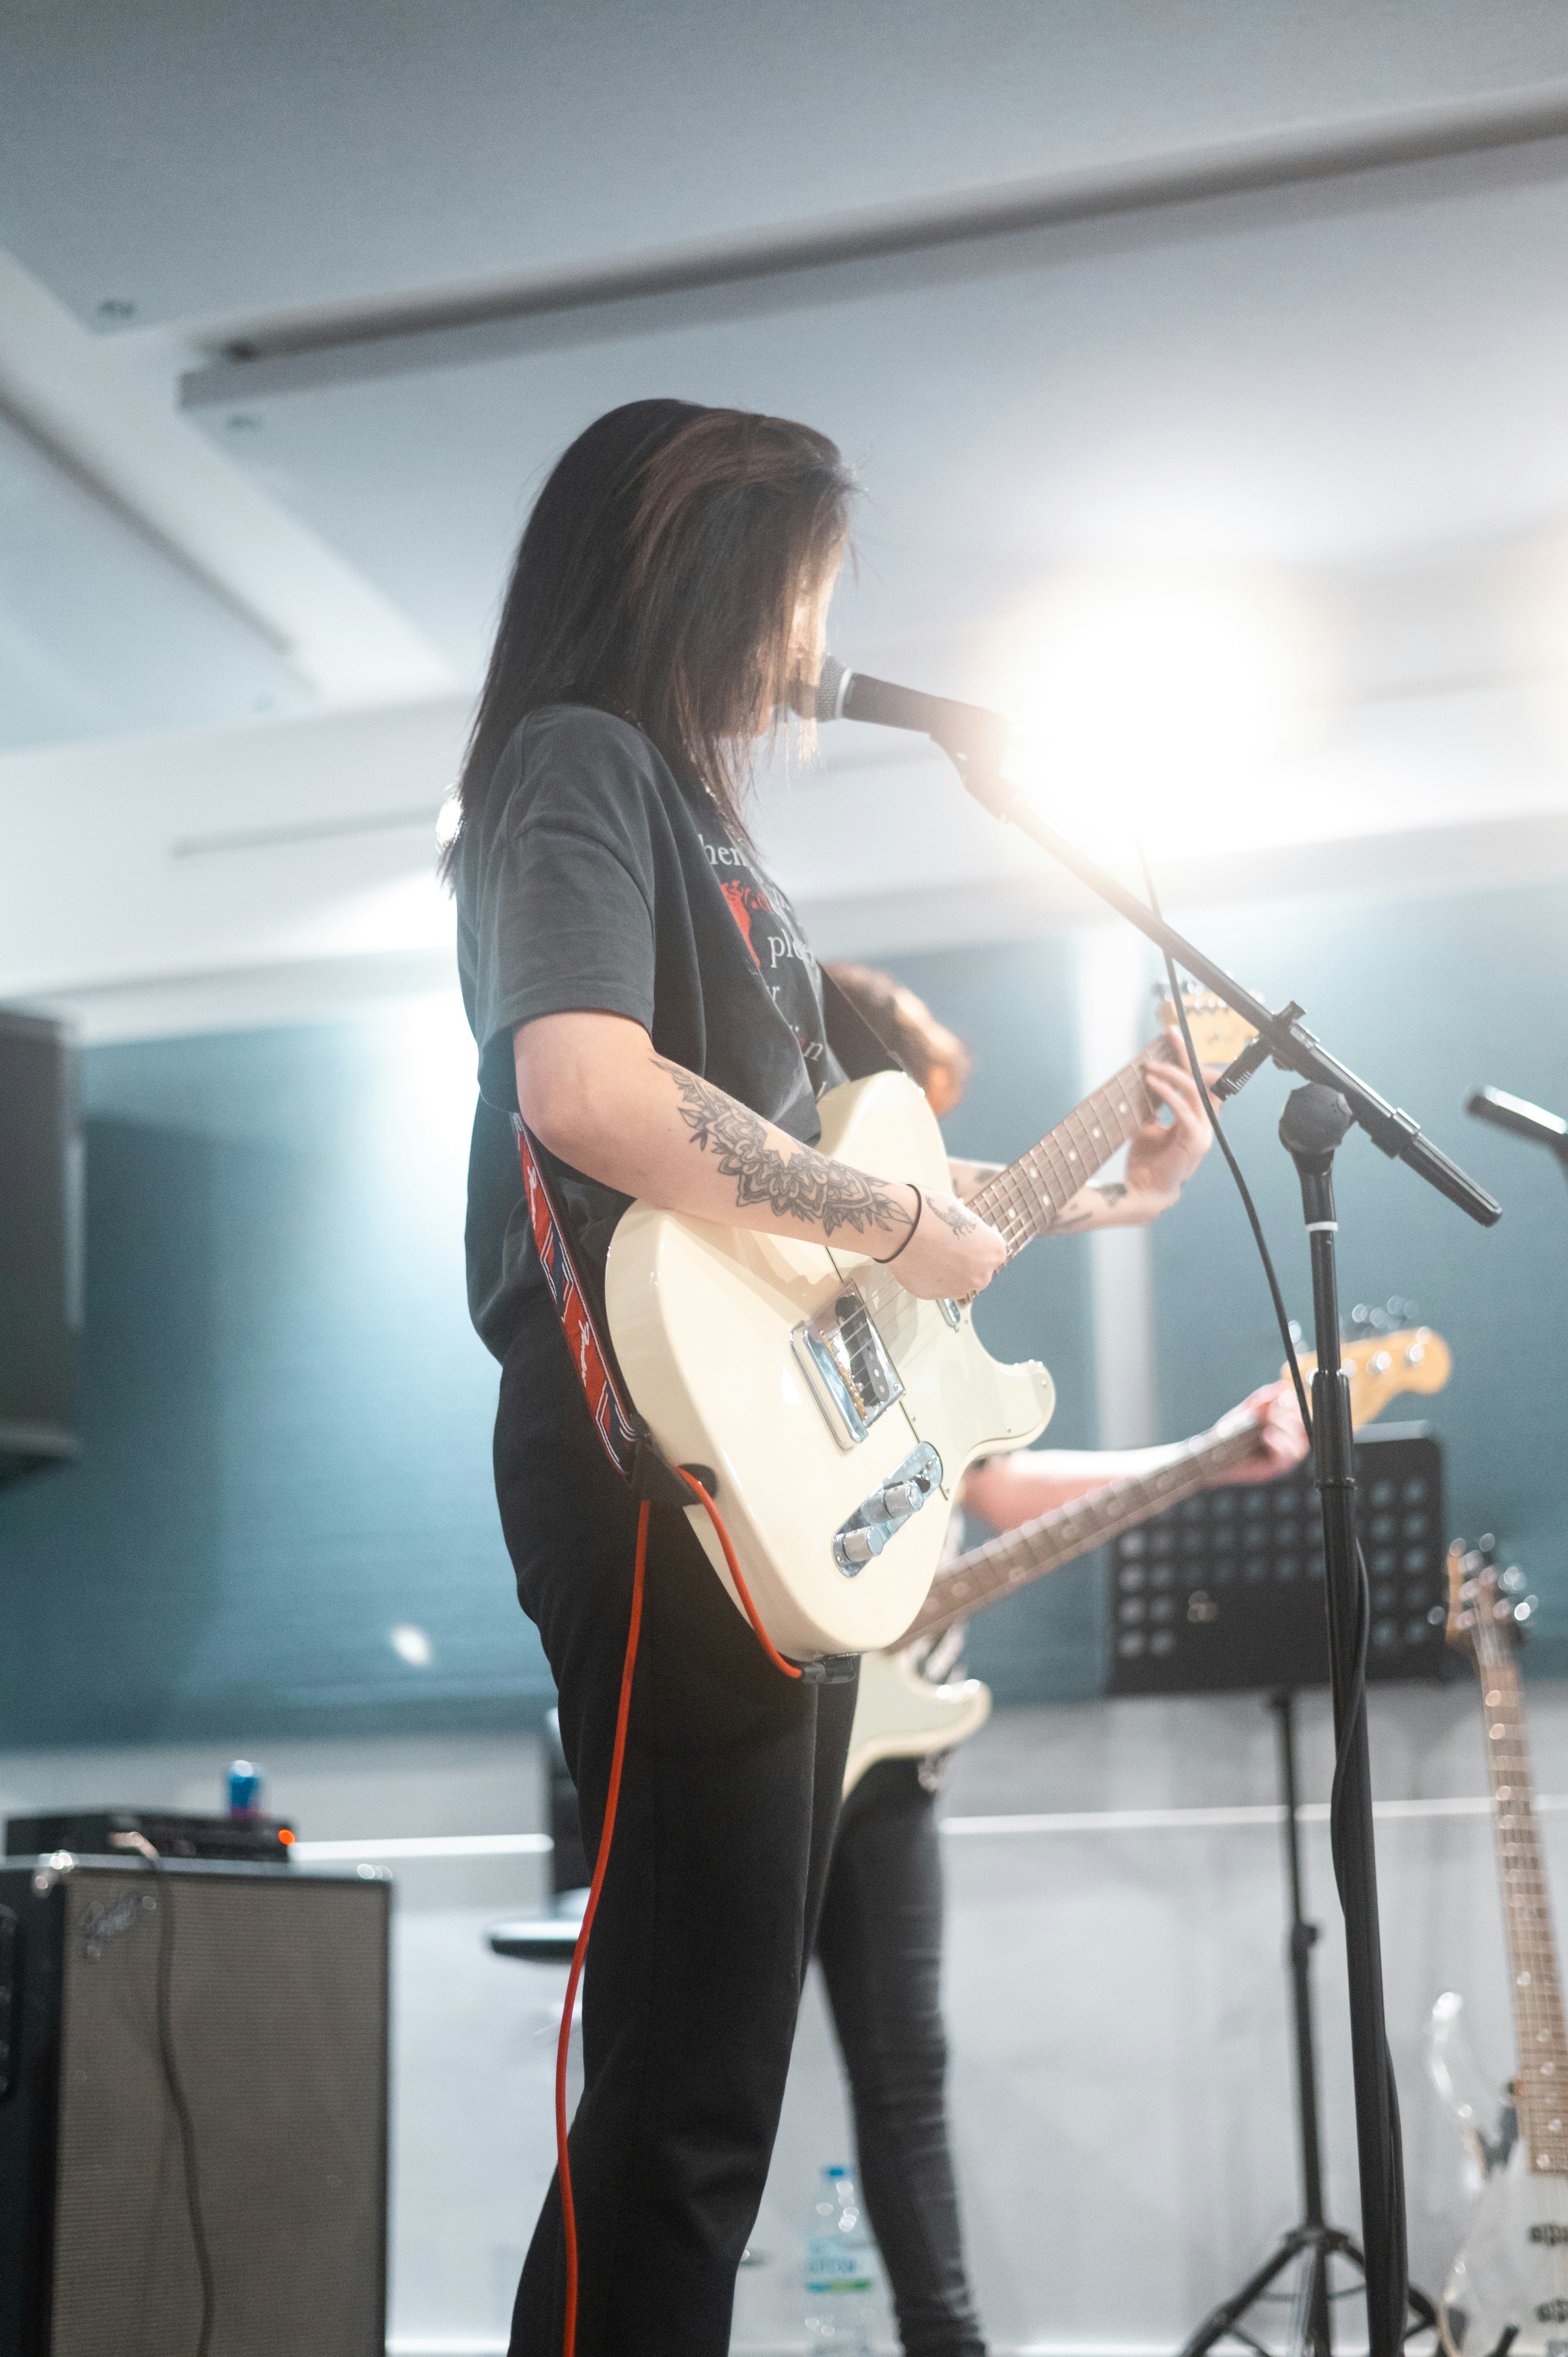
(1319, 2244)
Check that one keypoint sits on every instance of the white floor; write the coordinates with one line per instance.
(1121, 2087)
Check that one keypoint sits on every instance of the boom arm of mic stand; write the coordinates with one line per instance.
(1290, 1043)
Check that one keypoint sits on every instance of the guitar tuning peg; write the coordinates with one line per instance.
(1512, 1578)
(1487, 1546)
(1525, 1608)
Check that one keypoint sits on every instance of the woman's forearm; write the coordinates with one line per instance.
(592, 1089)
(1007, 1490)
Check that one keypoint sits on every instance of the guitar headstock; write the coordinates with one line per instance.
(1382, 1366)
(1218, 1033)
(1478, 1591)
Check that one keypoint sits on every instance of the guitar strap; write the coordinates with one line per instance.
(628, 1443)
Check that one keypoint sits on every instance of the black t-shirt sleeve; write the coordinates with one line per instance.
(565, 908)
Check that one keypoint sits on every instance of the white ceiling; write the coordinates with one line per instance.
(251, 623)
(208, 159)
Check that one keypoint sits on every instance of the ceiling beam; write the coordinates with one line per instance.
(307, 350)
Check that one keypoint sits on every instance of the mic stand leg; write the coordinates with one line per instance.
(1314, 1121)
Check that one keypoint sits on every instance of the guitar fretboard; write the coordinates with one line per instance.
(1030, 1195)
(1542, 2081)
(1002, 1565)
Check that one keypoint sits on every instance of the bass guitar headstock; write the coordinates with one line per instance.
(1382, 1366)
(1479, 1592)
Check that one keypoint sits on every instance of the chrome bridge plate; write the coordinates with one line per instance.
(907, 1487)
(843, 1358)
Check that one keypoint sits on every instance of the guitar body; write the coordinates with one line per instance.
(1512, 2267)
(899, 1714)
(729, 1342)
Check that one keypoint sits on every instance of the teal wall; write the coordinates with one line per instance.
(286, 1413)
(1427, 998)
(286, 1416)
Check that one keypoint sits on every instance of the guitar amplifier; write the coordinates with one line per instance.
(99, 1833)
(1225, 1589)
(193, 2065)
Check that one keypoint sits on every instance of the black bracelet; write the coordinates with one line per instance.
(919, 1207)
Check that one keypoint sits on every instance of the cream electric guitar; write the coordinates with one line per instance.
(838, 1412)
(899, 1713)
(1509, 2284)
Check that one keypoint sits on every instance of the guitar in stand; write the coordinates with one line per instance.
(1507, 2289)
(901, 1715)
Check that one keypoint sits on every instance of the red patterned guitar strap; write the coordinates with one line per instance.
(616, 1421)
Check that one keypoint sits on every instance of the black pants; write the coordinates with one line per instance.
(880, 1945)
(728, 1804)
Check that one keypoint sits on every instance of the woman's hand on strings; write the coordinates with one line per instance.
(951, 1253)
(1162, 1157)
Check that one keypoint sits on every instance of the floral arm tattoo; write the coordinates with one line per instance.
(803, 1184)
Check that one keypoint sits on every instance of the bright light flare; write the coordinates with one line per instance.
(1160, 707)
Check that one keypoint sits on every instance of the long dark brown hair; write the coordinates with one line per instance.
(658, 577)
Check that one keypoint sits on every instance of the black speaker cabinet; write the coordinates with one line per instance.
(41, 1244)
(274, 1997)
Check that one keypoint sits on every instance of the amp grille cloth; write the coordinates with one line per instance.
(279, 2003)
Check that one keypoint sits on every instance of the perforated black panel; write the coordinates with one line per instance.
(1225, 1589)
(278, 2009)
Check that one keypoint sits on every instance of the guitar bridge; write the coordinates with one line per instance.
(888, 1508)
(845, 1362)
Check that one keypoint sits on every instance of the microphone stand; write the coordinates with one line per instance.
(1316, 1119)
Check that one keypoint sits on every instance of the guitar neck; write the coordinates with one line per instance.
(1543, 2081)
(1031, 1194)
(1004, 1564)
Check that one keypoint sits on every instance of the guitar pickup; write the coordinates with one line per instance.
(845, 1362)
(874, 1520)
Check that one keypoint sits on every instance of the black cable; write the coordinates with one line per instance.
(1340, 1834)
(175, 2086)
(1286, 1337)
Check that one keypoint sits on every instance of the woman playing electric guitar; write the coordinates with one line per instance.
(646, 1006)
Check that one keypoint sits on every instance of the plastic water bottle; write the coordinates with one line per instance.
(244, 1789)
(842, 2273)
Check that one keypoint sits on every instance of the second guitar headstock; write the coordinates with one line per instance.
(1479, 1592)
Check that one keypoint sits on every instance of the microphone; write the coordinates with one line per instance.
(961, 730)
(1520, 1119)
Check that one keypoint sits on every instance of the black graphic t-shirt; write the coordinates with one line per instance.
(597, 881)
